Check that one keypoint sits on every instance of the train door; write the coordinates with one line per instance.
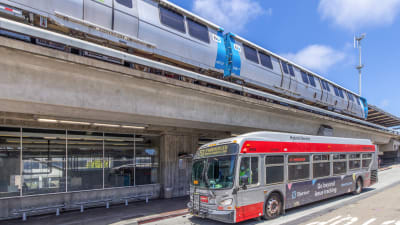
(250, 195)
(125, 17)
(293, 79)
(98, 12)
(285, 83)
(351, 101)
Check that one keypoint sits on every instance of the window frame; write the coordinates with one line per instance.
(258, 173)
(366, 157)
(188, 21)
(246, 54)
(339, 160)
(282, 164)
(304, 77)
(285, 67)
(291, 70)
(298, 163)
(354, 157)
(128, 6)
(312, 80)
(322, 161)
(161, 8)
(261, 55)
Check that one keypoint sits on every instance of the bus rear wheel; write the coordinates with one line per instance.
(273, 207)
(359, 187)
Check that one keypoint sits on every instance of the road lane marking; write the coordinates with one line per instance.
(369, 221)
(389, 222)
(354, 219)
(326, 222)
(341, 220)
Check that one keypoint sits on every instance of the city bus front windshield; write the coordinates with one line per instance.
(214, 172)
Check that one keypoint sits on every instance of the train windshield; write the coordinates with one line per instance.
(214, 172)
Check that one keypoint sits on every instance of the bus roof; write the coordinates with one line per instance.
(287, 137)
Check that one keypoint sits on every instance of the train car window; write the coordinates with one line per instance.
(350, 96)
(284, 66)
(266, 60)
(198, 30)
(127, 3)
(327, 86)
(336, 91)
(250, 53)
(291, 71)
(312, 81)
(323, 85)
(304, 77)
(172, 19)
(358, 100)
(341, 93)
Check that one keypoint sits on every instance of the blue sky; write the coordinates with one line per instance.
(318, 34)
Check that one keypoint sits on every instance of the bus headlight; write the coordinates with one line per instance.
(226, 202)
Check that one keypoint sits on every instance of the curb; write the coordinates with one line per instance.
(149, 219)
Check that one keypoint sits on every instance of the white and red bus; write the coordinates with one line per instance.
(262, 174)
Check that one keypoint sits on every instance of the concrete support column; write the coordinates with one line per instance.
(176, 163)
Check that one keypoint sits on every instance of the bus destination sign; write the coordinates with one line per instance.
(212, 151)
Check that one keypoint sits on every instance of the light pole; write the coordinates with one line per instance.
(357, 42)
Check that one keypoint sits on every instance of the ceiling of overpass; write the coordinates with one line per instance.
(380, 117)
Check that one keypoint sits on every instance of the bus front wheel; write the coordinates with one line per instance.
(273, 207)
(359, 186)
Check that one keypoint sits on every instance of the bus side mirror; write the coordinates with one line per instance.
(244, 181)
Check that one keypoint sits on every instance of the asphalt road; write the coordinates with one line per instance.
(379, 204)
(382, 208)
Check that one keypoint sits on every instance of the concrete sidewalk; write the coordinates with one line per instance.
(134, 213)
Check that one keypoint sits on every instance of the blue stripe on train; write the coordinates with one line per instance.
(221, 53)
(364, 103)
(233, 62)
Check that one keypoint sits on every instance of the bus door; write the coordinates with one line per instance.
(250, 198)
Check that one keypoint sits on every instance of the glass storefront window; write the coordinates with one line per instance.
(43, 157)
(147, 159)
(58, 160)
(85, 160)
(10, 147)
(119, 168)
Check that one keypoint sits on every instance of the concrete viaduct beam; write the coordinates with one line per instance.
(50, 83)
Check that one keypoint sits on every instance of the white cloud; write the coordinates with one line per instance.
(384, 103)
(355, 14)
(317, 57)
(232, 15)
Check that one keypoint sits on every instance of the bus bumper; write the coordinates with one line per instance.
(222, 216)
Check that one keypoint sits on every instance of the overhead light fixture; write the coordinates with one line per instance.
(48, 120)
(133, 127)
(50, 138)
(74, 122)
(106, 125)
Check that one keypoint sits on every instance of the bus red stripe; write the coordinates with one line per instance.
(249, 211)
(291, 147)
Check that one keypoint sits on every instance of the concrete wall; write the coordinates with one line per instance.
(176, 162)
(8, 205)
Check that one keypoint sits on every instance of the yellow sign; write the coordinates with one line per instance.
(96, 164)
(217, 150)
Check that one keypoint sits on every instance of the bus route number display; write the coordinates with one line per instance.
(217, 150)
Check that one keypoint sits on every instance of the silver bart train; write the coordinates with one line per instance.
(162, 31)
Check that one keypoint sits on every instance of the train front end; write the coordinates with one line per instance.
(212, 184)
